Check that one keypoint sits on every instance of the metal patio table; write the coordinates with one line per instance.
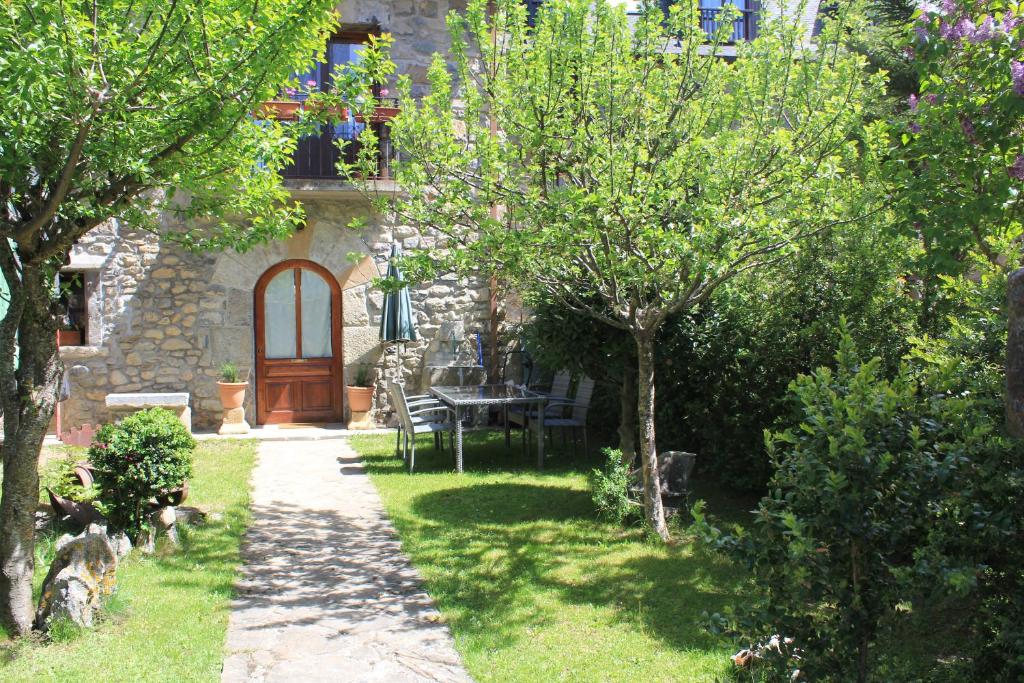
(502, 395)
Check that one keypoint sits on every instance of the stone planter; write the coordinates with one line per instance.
(232, 396)
(360, 399)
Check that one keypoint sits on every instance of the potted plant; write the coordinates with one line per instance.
(286, 107)
(232, 391)
(385, 108)
(360, 392)
(68, 333)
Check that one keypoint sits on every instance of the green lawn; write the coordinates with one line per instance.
(170, 612)
(533, 587)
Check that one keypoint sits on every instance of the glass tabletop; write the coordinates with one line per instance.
(487, 393)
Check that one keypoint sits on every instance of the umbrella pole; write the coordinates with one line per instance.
(398, 364)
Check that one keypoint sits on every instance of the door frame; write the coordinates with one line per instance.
(259, 327)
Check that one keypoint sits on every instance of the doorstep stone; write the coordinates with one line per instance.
(119, 405)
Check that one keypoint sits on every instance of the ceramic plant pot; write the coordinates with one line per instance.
(232, 394)
(360, 399)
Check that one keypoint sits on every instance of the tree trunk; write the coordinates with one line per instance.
(1015, 354)
(627, 412)
(653, 510)
(29, 394)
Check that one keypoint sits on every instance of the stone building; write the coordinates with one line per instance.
(155, 318)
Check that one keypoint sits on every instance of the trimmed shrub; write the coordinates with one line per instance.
(832, 549)
(137, 459)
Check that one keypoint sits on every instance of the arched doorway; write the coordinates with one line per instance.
(298, 344)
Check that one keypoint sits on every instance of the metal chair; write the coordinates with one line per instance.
(421, 419)
(521, 416)
(417, 402)
(570, 414)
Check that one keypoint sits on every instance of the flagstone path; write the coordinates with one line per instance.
(326, 592)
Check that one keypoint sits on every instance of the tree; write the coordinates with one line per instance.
(621, 169)
(963, 149)
(130, 109)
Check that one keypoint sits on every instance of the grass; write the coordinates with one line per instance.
(534, 588)
(168, 617)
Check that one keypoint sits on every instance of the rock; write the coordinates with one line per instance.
(63, 541)
(44, 518)
(83, 571)
(190, 515)
(165, 520)
(146, 541)
(121, 544)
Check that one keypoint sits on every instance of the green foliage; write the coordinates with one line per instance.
(229, 372)
(138, 458)
(891, 494)
(833, 541)
(609, 489)
(724, 368)
(167, 619)
(59, 476)
(364, 376)
(960, 162)
(974, 544)
(633, 180)
(141, 95)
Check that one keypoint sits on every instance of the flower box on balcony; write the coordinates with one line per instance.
(380, 115)
(288, 110)
(282, 110)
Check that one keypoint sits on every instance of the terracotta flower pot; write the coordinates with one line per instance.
(232, 394)
(360, 399)
(69, 337)
(380, 115)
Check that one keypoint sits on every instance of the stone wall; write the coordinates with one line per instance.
(165, 320)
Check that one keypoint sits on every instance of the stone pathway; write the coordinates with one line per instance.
(326, 592)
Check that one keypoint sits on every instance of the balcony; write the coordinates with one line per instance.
(744, 27)
(317, 156)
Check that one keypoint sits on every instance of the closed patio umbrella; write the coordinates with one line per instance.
(396, 322)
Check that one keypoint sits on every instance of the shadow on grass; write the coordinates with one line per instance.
(506, 557)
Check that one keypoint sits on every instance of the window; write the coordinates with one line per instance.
(317, 156)
(74, 290)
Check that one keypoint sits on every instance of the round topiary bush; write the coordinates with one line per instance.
(137, 459)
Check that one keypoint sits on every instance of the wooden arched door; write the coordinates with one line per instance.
(298, 344)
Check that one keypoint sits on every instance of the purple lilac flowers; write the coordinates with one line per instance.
(1017, 74)
(1017, 170)
(984, 32)
(968, 128)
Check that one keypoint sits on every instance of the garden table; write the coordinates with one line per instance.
(501, 395)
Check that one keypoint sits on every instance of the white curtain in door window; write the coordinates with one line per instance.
(279, 315)
(316, 316)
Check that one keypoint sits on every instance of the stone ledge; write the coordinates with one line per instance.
(82, 352)
(148, 400)
(176, 402)
(302, 188)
